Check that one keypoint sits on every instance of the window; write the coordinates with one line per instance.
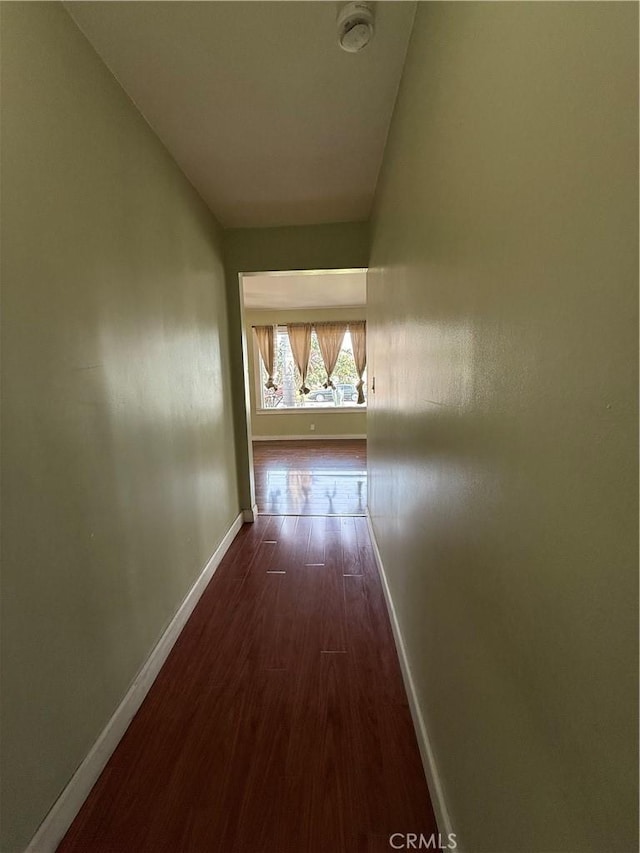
(287, 378)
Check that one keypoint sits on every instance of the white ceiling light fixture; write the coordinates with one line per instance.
(355, 26)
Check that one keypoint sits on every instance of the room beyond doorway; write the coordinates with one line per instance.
(311, 477)
(306, 390)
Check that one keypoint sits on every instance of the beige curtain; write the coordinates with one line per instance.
(300, 340)
(359, 340)
(266, 337)
(330, 337)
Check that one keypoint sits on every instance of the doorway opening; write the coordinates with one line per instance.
(304, 345)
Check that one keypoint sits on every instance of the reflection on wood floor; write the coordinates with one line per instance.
(311, 477)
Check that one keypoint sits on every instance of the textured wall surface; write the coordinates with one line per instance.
(118, 452)
(502, 435)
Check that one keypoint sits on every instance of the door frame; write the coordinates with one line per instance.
(251, 514)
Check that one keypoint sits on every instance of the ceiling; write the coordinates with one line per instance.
(305, 290)
(270, 120)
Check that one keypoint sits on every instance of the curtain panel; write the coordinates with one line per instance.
(359, 340)
(330, 337)
(266, 337)
(300, 340)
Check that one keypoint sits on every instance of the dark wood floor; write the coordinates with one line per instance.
(311, 477)
(279, 723)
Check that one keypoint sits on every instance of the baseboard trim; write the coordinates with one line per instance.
(53, 828)
(313, 436)
(250, 515)
(424, 744)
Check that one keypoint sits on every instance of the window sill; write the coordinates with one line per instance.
(321, 410)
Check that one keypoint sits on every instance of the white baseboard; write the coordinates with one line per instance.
(67, 806)
(310, 436)
(250, 515)
(424, 744)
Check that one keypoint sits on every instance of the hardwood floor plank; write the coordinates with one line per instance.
(333, 616)
(351, 556)
(317, 540)
(332, 779)
(364, 547)
(370, 642)
(243, 547)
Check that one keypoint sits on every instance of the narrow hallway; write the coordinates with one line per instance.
(280, 721)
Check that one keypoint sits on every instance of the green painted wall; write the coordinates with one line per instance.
(118, 472)
(343, 245)
(503, 322)
(327, 422)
